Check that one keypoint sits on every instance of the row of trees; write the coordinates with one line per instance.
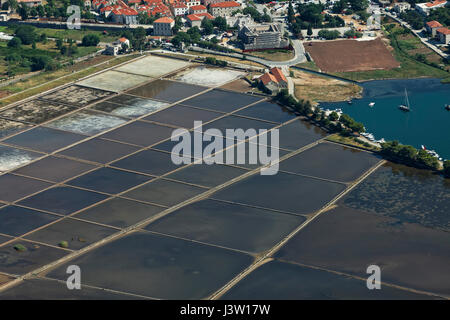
(344, 124)
(413, 18)
(409, 155)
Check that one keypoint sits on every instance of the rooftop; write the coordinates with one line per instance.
(226, 4)
(443, 30)
(164, 20)
(199, 7)
(434, 24)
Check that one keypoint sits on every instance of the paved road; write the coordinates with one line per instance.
(298, 58)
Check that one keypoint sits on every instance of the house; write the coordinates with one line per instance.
(179, 9)
(425, 8)
(223, 9)
(197, 9)
(274, 80)
(163, 26)
(207, 3)
(114, 48)
(195, 20)
(432, 26)
(443, 35)
(400, 7)
(125, 15)
(124, 42)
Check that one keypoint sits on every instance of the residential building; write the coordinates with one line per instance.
(179, 9)
(207, 3)
(124, 15)
(425, 8)
(114, 48)
(400, 7)
(191, 3)
(443, 35)
(163, 26)
(274, 80)
(432, 26)
(223, 9)
(262, 36)
(195, 20)
(197, 9)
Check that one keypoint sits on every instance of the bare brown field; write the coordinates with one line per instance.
(351, 55)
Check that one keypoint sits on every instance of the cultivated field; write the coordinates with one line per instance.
(351, 55)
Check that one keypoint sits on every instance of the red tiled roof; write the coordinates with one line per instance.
(198, 8)
(434, 24)
(267, 78)
(205, 14)
(193, 17)
(443, 30)
(164, 20)
(278, 74)
(226, 4)
(179, 5)
(435, 3)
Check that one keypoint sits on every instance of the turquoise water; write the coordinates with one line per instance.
(427, 123)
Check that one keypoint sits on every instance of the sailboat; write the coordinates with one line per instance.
(405, 107)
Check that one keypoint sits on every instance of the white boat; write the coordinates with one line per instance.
(405, 107)
(371, 104)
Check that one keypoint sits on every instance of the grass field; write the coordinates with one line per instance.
(274, 55)
(67, 33)
(311, 65)
(316, 88)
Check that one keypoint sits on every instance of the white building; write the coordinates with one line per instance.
(179, 9)
(443, 35)
(191, 3)
(400, 7)
(223, 9)
(425, 8)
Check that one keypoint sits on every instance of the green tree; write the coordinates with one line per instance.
(90, 40)
(15, 43)
(12, 4)
(447, 168)
(26, 33)
(220, 23)
(207, 27)
(334, 116)
(59, 44)
(40, 62)
(309, 32)
(23, 11)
